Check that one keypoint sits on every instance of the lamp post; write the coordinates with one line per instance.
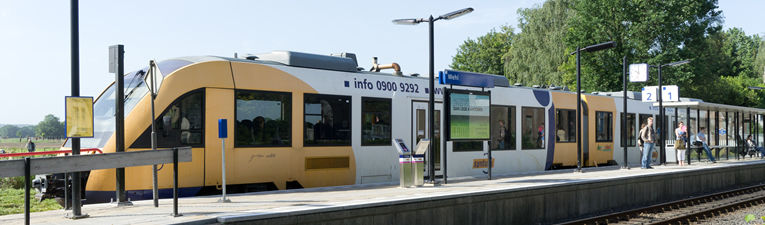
(431, 90)
(662, 128)
(591, 48)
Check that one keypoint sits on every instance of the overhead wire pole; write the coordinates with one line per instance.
(624, 119)
(578, 113)
(75, 82)
(662, 132)
(431, 106)
(75, 32)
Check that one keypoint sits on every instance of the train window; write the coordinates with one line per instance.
(375, 121)
(533, 128)
(327, 120)
(503, 127)
(565, 125)
(644, 119)
(604, 127)
(181, 124)
(263, 119)
(632, 137)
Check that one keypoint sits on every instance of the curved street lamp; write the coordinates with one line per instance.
(662, 149)
(431, 105)
(591, 48)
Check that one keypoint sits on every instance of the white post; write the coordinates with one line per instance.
(223, 166)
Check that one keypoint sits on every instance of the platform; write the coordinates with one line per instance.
(518, 198)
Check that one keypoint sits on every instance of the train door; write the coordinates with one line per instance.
(420, 130)
(585, 134)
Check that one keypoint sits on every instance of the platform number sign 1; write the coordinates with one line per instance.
(649, 94)
(670, 93)
(639, 72)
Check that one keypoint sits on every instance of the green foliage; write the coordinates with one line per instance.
(12, 202)
(15, 131)
(540, 48)
(759, 62)
(723, 63)
(50, 126)
(484, 55)
(654, 32)
(749, 217)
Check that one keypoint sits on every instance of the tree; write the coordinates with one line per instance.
(8, 130)
(540, 48)
(484, 54)
(759, 62)
(652, 31)
(50, 126)
(743, 51)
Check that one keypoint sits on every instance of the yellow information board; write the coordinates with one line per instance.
(79, 117)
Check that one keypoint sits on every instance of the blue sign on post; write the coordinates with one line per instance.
(466, 78)
(222, 128)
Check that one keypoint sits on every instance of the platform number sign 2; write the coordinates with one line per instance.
(649, 94)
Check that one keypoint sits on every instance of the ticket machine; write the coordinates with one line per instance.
(418, 161)
(404, 162)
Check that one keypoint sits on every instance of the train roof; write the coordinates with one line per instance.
(343, 62)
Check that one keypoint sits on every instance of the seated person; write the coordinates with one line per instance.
(700, 137)
(753, 145)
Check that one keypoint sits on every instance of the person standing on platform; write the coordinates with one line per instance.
(700, 137)
(502, 133)
(30, 146)
(680, 144)
(649, 137)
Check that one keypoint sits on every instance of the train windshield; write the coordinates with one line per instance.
(104, 107)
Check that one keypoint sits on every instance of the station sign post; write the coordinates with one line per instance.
(223, 134)
(467, 113)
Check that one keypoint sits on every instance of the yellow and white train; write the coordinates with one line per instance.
(298, 120)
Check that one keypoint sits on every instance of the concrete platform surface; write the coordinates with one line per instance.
(263, 205)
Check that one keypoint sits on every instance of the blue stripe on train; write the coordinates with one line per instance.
(136, 195)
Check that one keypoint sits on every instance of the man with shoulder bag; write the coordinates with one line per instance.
(648, 134)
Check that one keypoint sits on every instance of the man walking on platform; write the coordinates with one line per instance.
(648, 136)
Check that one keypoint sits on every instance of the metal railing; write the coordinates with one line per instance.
(76, 163)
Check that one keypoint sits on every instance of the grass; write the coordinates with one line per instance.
(24, 140)
(12, 190)
(12, 202)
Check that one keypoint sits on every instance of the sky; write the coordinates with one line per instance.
(35, 50)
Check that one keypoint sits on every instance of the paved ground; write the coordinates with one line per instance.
(304, 201)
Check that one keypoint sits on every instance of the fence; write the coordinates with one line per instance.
(76, 163)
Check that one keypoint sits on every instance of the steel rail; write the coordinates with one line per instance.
(631, 214)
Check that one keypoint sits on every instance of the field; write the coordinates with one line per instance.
(12, 188)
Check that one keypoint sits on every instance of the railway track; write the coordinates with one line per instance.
(686, 211)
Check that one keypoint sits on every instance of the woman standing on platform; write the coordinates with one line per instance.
(680, 143)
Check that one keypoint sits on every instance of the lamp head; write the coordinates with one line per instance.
(679, 63)
(756, 88)
(601, 46)
(407, 21)
(456, 14)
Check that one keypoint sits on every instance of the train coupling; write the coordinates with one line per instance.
(48, 186)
